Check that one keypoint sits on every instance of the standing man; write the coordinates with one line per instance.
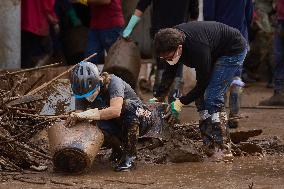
(237, 14)
(278, 97)
(106, 25)
(217, 52)
(165, 14)
(119, 113)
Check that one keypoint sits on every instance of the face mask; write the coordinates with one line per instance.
(93, 96)
(174, 60)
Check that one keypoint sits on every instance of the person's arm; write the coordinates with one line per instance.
(203, 72)
(194, 9)
(113, 111)
(48, 6)
(116, 92)
(135, 18)
(209, 10)
(142, 5)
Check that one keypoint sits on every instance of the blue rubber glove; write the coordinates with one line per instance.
(131, 24)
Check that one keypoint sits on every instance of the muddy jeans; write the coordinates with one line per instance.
(133, 112)
(225, 70)
(99, 41)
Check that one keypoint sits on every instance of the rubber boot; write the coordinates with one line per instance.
(158, 80)
(116, 145)
(128, 160)
(234, 104)
(276, 100)
(205, 128)
(221, 137)
(176, 89)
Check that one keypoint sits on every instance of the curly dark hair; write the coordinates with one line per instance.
(167, 40)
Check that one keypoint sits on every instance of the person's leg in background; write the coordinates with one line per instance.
(94, 45)
(109, 36)
(236, 90)
(176, 89)
(278, 96)
(29, 44)
(158, 74)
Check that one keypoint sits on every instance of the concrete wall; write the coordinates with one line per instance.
(10, 34)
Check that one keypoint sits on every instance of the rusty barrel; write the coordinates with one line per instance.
(124, 61)
(74, 149)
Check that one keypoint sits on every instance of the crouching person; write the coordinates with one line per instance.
(119, 113)
(217, 52)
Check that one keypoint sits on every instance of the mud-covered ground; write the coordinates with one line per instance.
(264, 170)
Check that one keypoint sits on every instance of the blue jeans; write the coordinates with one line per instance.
(279, 57)
(226, 68)
(99, 41)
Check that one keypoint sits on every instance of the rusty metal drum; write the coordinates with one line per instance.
(74, 149)
(124, 61)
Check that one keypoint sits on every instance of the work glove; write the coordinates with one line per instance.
(173, 112)
(131, 24)
(71, 120)
(91, 114)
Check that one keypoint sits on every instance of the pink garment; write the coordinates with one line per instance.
(107, 16)
(36, 16)
(280, 9)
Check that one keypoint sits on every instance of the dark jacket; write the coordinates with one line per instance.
(205, 42)
(167, 13)
(234, 13)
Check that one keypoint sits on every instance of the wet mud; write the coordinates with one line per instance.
(179, 162)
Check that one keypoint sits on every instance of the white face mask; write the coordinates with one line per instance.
(174, 60)
(93, 96)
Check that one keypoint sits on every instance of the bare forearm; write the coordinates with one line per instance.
(110, 113)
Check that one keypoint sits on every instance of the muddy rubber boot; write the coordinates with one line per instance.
(205, 128)
(176, 89)
(276, 100)
(158, 80)
(221, 137)
(116, 146)
(128, 160)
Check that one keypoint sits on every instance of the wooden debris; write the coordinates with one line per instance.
(17, 127)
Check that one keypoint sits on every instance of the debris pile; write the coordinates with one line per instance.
(18, 124)
(185, 145)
